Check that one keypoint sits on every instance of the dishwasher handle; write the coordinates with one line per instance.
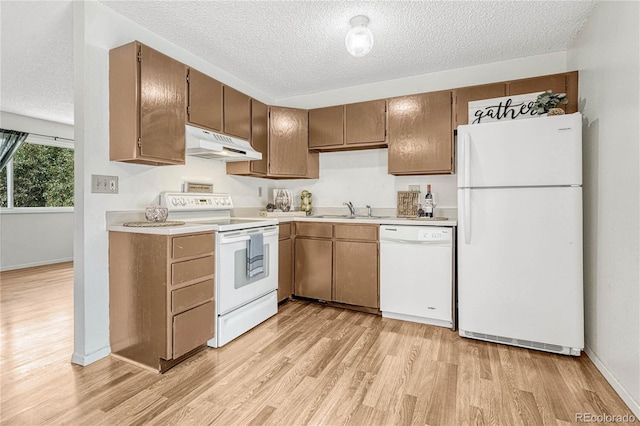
(428, 243)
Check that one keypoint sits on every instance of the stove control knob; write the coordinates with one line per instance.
(227, 201)
(174, 201)
(183, 202)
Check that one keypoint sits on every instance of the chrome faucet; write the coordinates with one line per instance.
(352, 210)
(368, 210)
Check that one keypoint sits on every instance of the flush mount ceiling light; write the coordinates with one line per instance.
(359, 40)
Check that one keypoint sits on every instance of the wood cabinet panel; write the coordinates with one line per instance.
(326, 127)
(284, 230)
(420, 135)
(192, 270)
(365, 122)
(356, 273)
(259, 142)
(193, 295)
(237, 113)
(147, 106)
(314, 229)
(356, 232)
(205, 101)
(259, 136)
(288, 142)
(559, 83)
(285, 269)
(192, 328)
(163, 99)
(192, 245)
(464, 95)
(312, 269)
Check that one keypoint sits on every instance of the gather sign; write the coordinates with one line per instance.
(502, 109)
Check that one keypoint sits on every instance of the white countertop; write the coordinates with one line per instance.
(191, 227)
(376, 221)
(187, 228)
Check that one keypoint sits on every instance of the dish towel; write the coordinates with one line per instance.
(255, 255)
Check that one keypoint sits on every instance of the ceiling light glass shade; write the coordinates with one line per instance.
(359, 40)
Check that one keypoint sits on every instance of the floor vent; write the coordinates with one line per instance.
(517, 342)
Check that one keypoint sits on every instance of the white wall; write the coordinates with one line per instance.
(607, 57)
(357, 176)
(33, 237)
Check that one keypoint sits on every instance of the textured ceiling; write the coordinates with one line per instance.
(289, 48)
(36, 54)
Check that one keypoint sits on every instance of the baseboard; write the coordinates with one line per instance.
(620, 390)
(32, 264)
(85, 360)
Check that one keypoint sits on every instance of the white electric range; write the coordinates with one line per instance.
(242, 302)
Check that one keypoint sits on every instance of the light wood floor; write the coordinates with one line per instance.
(309, 364)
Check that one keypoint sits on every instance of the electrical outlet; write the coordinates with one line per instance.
(414, 188)
(104, 184)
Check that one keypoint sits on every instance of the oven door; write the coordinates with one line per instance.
(234, 288)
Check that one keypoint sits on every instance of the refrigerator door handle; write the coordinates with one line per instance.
(466, 155)
(466, 211)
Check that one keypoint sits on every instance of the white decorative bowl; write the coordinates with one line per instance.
(156, 213)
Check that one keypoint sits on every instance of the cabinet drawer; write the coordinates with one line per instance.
(192, 245)
(284, 231)
(190, 296)
(192, 329)
(192, 270)
(314, 229)
(357, 232)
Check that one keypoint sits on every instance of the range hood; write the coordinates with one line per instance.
(215, 146)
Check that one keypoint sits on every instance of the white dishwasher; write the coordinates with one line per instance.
(416, 274)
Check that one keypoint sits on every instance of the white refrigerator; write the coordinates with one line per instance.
(520, 233)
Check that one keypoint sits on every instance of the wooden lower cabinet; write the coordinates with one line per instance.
(161, 296)
(313, 264)
(285, 262)
(355, 273)
(337, 263)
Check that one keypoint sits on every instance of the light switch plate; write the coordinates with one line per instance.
(102, 184)
(415, 188)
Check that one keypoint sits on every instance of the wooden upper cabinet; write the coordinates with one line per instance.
(462, 97)
(559, 83)
(366, 123)
(345, 127)
(259, 142)
(419, 134)
(281, 136)
(288, 142)
(237, 113)
(205, 101)
(146, 125)
(326, 127)
(259, 135)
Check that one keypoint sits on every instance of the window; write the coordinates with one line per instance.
(39, 175)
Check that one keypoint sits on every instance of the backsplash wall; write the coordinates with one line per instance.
(361, 177)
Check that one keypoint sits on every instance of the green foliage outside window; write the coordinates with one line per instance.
(42, 177)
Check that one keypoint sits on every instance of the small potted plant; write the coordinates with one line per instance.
(547, 103)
